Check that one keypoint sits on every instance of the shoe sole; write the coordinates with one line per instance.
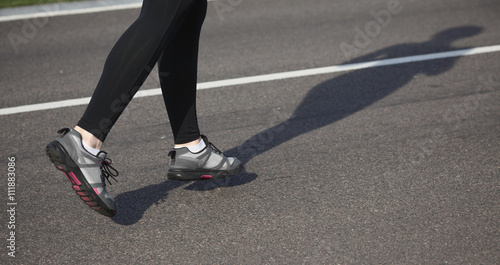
(63, 162)
(187, 175)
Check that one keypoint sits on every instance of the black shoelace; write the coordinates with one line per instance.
(108, 171)
(214, 148)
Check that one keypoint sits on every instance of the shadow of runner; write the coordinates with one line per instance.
(325, 104)
(347, 94)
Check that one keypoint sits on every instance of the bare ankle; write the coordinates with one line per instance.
(195, 142)
(89, 138)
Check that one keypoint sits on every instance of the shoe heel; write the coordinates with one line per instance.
(54, 156)
(58, 156)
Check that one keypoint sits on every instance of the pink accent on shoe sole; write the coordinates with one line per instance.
(86, 199)
(96, 208)
(77, 188)
(206, 177)
(70, 180)
(72, 175)
(91, 204)
(82, 193)
(60, 168)
(96, 192)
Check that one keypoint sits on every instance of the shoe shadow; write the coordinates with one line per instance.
(133, 204)
(325, 104)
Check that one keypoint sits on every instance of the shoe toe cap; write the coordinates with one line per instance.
(234, 162)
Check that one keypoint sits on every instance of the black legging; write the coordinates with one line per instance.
(167, 32)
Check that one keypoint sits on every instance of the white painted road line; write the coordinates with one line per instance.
(348, 67)
(53, 10)
(269, 77)
(54, 13)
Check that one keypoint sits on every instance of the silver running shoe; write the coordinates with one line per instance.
(209, 163)
(86, 172)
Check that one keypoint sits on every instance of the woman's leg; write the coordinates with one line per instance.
(130, 62)
(193, 157)
(178, 76)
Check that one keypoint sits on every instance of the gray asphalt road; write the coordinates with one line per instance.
(390, 165)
